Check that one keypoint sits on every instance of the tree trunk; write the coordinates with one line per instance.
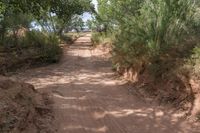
(60, 31)
(2, 33)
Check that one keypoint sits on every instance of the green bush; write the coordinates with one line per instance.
(48, 45)
(8, 42)
(195, 22)
(66, 39)
(95, 38)
(45, 45)
(150, 29)
(101, 38)
(194, 61)
(36, 39)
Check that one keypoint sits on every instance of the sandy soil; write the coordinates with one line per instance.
(89, 98)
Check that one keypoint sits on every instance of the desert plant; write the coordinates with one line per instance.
(148, 28)
(48, 45)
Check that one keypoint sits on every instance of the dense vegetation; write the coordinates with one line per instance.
(37, 27)
(145, 29)
(157, 39)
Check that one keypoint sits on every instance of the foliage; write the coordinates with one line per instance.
(89, 24)
(193, 63)
(195, 22)
(52, 15)
(101, 38)
(93, 24)
(66, 39)
(44, 47)
(65, 14)
(144, 29)
(18, 18)
(96, 38)
(13, 23)
(77, 23)
(62, 8)
(48, 45)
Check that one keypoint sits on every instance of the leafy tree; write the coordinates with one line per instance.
(52, 15)
(91, 24)
(64, 12)
(15, 22)
(77, 23)
(144, 28)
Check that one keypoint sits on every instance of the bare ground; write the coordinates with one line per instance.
(89, 98)
(23, 109)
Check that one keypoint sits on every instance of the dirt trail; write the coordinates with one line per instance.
(90, 99)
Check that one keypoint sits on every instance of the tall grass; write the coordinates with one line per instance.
(157, 26)
(45, 46)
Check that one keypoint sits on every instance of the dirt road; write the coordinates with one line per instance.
(90, 99)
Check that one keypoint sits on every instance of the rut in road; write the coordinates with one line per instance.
(90, 99)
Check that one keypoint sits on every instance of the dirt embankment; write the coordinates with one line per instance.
(23, 109)
(166, 85)
(12, 60)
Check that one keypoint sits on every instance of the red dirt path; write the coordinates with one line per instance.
(90, 99)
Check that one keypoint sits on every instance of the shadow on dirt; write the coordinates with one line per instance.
(90, 98)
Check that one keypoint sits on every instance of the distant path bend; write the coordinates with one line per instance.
(90, 99)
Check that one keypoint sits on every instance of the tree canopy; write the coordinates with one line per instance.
(54, 14)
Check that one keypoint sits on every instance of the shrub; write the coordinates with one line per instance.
(154, 27)
(195, 22)
(45, 45)
(48, 45)
(36, 39)
(194, 62)
(66, 39)
(95, 38)
(101, 38)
